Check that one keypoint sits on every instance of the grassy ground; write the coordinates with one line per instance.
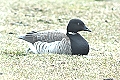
(19, 16)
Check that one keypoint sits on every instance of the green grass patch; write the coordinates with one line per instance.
(22, 16)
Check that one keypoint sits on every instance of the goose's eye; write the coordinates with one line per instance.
(78, 23)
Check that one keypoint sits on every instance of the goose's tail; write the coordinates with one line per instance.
(29, 37)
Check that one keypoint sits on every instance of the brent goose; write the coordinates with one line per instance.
(58, 42)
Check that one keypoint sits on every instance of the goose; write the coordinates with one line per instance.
(55, 41)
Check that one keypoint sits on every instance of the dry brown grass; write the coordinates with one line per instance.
(19, 17)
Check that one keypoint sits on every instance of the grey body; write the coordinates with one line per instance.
(57, 42)
(44, 36)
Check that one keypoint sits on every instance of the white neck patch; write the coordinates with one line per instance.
(72, 33)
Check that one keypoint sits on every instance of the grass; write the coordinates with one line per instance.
(19, 17)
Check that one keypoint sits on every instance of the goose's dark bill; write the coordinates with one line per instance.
(86, 29)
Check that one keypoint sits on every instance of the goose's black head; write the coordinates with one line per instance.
(76, 25)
